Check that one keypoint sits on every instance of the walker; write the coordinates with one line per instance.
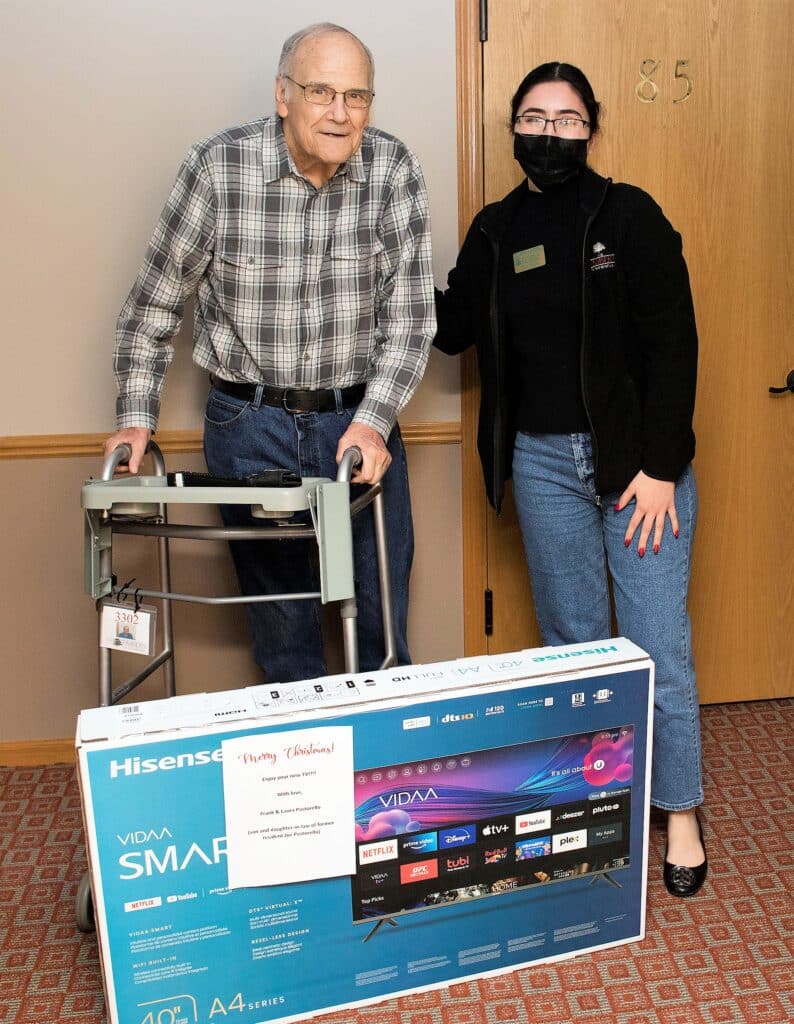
(139, 506)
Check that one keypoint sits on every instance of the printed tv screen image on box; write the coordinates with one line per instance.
(486, 822)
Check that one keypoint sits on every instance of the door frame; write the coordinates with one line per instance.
(471, 193)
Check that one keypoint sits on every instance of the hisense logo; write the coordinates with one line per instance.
(405, 796)
(576, 654)
(146, 765)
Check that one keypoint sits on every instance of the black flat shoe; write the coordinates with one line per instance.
(683, 881)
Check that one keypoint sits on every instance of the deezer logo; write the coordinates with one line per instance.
(569, 841)
(533, 822)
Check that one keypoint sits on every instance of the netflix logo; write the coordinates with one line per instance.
(372, 852)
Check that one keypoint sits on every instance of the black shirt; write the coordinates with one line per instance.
(543, 312)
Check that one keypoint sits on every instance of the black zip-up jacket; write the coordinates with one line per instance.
(639, 342)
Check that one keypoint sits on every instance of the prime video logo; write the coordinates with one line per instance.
(167, 763)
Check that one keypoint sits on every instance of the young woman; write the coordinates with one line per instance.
(575, 292)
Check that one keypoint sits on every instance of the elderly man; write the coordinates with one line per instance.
(305, 238)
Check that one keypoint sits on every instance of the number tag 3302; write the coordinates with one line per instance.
(123, 628)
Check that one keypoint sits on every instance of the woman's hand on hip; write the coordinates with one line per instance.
(654, 501)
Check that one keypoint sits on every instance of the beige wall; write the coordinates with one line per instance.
(103, 101)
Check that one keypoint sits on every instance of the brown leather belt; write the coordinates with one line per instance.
(294, 400)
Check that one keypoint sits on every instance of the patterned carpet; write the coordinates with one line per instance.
(724, 957)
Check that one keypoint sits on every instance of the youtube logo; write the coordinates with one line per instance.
(533, 821)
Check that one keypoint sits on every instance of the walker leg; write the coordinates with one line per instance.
(164, 559)
(349, 615)
(384, 579)
(168, 625)
(105, 674)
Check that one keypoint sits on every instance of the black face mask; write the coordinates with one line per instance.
(549, 160)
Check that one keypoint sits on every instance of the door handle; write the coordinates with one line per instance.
(789, 385)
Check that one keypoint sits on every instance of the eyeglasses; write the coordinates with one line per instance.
(534, 124)
(323, 95)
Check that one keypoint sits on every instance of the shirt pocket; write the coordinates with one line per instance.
(246, 282)
(355, 266)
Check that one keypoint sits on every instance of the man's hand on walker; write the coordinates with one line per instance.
(137, 438)
(375, 458)
(655, 500)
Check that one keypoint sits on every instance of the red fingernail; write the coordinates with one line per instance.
(675, 533)
(641, 552)
(626, 543)
(656, 549)
(617, 507)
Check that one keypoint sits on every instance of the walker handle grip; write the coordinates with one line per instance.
(121, 454)
(351, 458)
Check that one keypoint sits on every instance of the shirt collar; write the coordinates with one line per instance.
(277, 160)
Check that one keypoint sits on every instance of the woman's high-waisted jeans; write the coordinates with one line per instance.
(573, 538)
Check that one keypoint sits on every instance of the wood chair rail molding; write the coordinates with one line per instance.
(38, 446)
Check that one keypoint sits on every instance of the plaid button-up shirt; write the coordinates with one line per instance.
(295, 286)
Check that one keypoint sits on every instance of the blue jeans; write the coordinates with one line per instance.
(246, 437)
(573, 540)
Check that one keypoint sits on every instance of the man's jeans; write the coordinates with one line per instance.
(244, 437)
(573, 539)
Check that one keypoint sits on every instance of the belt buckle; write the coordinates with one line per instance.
(285, 401)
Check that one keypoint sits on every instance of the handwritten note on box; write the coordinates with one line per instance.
(289, 806)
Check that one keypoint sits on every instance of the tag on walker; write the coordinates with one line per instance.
(122, 627)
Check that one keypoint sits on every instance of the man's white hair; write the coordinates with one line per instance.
(321, 28)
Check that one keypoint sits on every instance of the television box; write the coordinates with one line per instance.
(500, 820)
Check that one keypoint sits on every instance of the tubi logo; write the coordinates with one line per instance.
(460, 863)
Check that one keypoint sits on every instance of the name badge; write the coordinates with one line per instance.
(125, 628)
(529, 259)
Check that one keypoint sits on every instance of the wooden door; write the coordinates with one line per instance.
(697, 99)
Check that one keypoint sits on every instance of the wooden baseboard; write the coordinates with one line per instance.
(23, 753)
(62, 446)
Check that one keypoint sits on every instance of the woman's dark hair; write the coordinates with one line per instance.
(556, 71)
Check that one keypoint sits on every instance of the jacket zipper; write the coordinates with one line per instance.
(593, 437)
(498, 483)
